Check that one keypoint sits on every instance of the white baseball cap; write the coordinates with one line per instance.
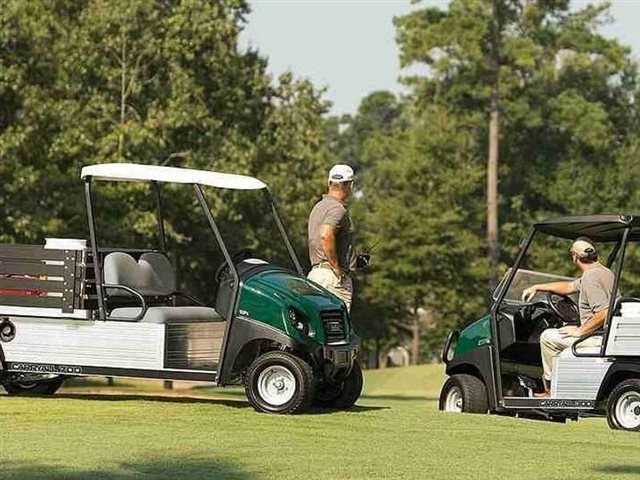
(341, 174)
(582, 247)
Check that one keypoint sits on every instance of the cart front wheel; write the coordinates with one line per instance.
(278, 382)
(342, 395)
(464, 393)
(623, 407)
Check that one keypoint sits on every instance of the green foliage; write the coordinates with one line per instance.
(85, 82)
(568, 143)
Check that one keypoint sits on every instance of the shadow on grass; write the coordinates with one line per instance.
(400, 397)
(619, 469)
(354, 409)
(227, 402)
(160, 469)
(112, 397)
(224, 391)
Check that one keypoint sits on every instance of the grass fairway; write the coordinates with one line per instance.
(396, 432)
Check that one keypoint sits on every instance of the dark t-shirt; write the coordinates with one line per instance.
(331, 211)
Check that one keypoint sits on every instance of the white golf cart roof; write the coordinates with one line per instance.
(135, 172)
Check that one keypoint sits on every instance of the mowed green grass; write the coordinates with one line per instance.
(395, 432)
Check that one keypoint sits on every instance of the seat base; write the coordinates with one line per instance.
(167, 315)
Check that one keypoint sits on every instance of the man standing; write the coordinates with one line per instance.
(330, 236)
(595, 287)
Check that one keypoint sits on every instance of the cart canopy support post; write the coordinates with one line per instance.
(614, 293)
(227, 257)
(494, 317)
(283, 231)
(97, 268)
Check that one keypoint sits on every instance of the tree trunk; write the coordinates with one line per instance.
(123, 92)
(492, 194)
(415, 342)
(492, 164)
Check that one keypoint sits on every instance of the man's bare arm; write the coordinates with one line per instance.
(561, 288)
(590, 326)
(328, 244)
(594, 323)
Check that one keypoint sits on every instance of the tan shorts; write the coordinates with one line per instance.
(341, 288)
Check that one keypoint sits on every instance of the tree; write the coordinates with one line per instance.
(421, 207)
(377, 112)
(85, 82)
(569, 122)
(567, 92)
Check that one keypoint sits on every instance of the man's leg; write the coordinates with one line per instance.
(552, 343)
(346, 286)
(327, 279)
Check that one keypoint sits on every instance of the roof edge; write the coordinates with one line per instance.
(155, 173)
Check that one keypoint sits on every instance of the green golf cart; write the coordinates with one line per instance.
(72, 309)
(494, 363)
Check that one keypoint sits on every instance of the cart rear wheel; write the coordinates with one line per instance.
(623, 407)
(464, 393)
(48, 386)
(342, 395)
(278, 382)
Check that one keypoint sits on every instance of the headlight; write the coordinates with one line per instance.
(300, 322)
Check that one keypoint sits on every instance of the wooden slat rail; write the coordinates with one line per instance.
(27, 252)
(15, 267)
(30, 284)
(26, 277)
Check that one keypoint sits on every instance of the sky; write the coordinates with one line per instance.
(348, 46)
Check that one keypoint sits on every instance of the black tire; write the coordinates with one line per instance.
(298, 369)
(472, 394)
(43, 387)
(342, 395)
(626, 393)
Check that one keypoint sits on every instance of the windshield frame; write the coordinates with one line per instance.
(551, 277)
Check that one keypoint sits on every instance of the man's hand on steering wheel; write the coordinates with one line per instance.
(529, 293)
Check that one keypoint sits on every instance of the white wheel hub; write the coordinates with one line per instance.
(453, 400)
(627, 410)
(276, 385)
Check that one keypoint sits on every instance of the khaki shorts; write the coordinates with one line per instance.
(341, 288)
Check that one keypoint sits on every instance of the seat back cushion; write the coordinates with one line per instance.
(160, 269)
(122, 269)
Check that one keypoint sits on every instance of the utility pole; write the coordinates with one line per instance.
(492, 163)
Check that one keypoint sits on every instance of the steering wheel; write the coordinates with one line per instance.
(564, 307)
(223, 269)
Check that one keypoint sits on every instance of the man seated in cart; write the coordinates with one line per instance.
(595, 287)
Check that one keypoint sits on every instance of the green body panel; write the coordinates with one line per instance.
(475, 335)
(267, 297)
